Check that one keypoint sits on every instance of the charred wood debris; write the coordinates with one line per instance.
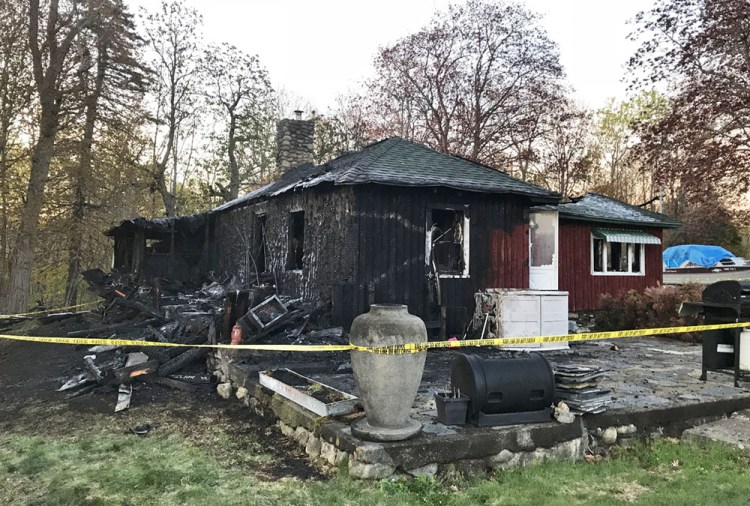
(170, 311)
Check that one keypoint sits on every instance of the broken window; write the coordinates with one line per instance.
(617, 257)
(448, 243)
(259, 251)
(296, 240)
(543, 239)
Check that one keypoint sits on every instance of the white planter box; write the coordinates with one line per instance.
(347, 404)
(525, 313)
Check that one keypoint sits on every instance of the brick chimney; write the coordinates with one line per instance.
(294, 139)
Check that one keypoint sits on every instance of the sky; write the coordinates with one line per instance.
(320, 49)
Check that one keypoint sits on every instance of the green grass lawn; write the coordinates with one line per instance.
(125, 469)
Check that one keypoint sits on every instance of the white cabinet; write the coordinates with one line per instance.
(523, 313)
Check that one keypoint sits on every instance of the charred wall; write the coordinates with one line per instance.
(391, 227)
(157, 253)
(328, 250)
(367, 244)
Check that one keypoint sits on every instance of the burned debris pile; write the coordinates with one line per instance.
(171, 317)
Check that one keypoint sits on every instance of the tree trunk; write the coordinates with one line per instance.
(81, 177)
(4, 229)
(16, 296)
(234, 169)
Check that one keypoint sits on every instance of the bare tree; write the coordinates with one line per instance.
(566, 157)
(50, 56)
(345, 128)
(469, 80)
(240, 92)
(174, 39)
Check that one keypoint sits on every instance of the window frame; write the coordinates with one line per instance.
(464, 208)
(631, 248)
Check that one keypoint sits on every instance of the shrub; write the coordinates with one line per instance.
(656, 306)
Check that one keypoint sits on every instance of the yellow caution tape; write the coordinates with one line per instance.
(98, 341)
(399, 349)
(55, 310)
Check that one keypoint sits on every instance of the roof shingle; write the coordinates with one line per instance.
(602, 209)
(395, 161)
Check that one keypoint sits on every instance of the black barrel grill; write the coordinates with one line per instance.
(505, 391)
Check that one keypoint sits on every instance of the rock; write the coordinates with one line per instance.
(241, 393)
(572, 327)
(498, 462)
(373, 454)
(301, 435)
(570, 450)
(501, 458)
(286, 430)
(427, 471)
(328, 452)
(626, 429)
(369, 471)
(538, 456)
(609, 436)
(562, 413)
(224, 390)
(313, 447)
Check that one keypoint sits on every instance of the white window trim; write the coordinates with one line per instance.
(466, 232)
(605, 252)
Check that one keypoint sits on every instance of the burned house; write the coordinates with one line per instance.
(395, 222)
(172, 247)
(608, 246)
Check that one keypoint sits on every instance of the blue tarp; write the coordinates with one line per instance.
(698, 254)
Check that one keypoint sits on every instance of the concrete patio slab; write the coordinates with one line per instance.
(654, 384)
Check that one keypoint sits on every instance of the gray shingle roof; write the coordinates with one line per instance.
(599, 208)
(399, 162)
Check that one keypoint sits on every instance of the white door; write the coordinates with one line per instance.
(543, 250)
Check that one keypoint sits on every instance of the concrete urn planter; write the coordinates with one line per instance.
(387, 383)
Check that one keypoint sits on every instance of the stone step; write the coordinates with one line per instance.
(734, 431)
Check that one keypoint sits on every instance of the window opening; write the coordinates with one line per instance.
(448, 241)
(260, 243)
(296, 240)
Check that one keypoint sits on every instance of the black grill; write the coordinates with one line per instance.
(505, 391)
(724, 302)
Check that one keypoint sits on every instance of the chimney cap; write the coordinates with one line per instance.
(298, 114)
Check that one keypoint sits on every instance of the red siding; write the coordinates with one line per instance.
(575, 268)
(510, 258)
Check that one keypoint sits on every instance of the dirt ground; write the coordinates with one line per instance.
(31, 373)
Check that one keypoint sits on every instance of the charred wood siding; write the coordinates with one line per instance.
(132, 255)
(329, 241)
(391, 225)
(585, 289)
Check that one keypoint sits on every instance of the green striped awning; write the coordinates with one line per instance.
(619, 235)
